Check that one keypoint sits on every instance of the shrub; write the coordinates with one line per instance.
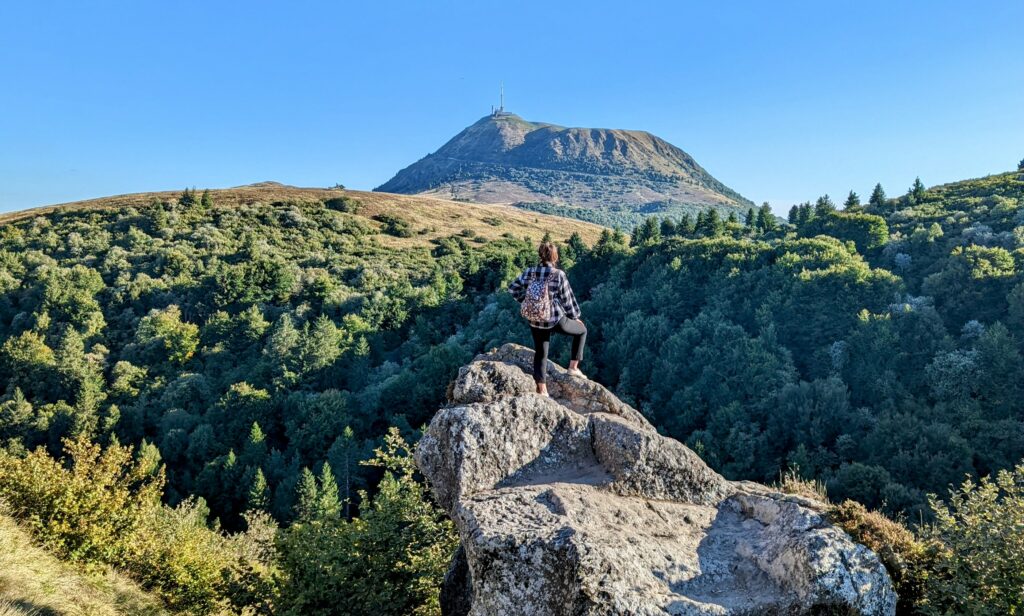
(394, 226)
(906, 558)
(164, 330)
(347, 205)
(103, 508)
(980, 561)
(175, 554)
(197, 570)
(83, 511)
(390, 560)
(867, 231)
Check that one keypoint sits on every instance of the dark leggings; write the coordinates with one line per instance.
(542, 340)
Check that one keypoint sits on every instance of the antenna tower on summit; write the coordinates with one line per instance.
(500, 109)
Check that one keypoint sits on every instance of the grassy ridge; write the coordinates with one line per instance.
(35, 583)
(431, 218)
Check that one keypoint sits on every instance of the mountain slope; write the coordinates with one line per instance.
(603, 175)
(35, 582)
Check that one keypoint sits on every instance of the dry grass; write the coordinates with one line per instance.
(907, 559)
(790, 482)
(430, 217)
(8, 608)
(34, 583)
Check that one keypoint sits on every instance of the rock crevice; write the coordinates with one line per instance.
(575, 505)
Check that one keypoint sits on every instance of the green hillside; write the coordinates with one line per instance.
(877, 348)
(188, 320)
(254, 345)
(214, 367)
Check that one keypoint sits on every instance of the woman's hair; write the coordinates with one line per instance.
(548, 252)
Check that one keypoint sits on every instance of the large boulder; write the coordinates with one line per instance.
(575, 505)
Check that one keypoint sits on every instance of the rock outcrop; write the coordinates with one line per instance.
(575, 505)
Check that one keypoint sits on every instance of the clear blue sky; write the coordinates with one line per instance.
(782, 101)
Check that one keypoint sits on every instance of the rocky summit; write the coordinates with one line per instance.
(608, 176)
(574, 504)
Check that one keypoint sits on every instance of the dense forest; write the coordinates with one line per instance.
(876, 348)
(234, 390)
(253, 357)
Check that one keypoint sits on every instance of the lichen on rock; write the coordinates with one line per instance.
(575, 504)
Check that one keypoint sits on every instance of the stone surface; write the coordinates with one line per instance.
(506, 372)
(457, 588)
(644, 463)
(574, 505)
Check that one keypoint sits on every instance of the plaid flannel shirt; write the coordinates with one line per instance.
(563, 301)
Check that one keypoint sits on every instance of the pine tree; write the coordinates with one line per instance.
(148, 458)
(750, 219)
(765, 219)
(230, 461)
(307, 496)
(82, 383)
(685, 226)
(344, 457)
(16, 416)
(158, 216)
(575, 248)
(733, 219)
(806, 214)
(281, 350)
(321, 344)
(824, 206)
(794, 215)
(358, 369)
(328, 503)
(187, 198)
(618, 237)
(259, 493)
(877, 198)
(668, 227)
(852, 201)
(547, 238)
(388, 561)
(206, 201)
(255, 448)
(712, 224)
(647, 233)
(915, 194)
(608, 243)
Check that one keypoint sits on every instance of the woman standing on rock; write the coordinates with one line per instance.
(548, 303)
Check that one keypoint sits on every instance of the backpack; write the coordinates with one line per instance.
(537, 304)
